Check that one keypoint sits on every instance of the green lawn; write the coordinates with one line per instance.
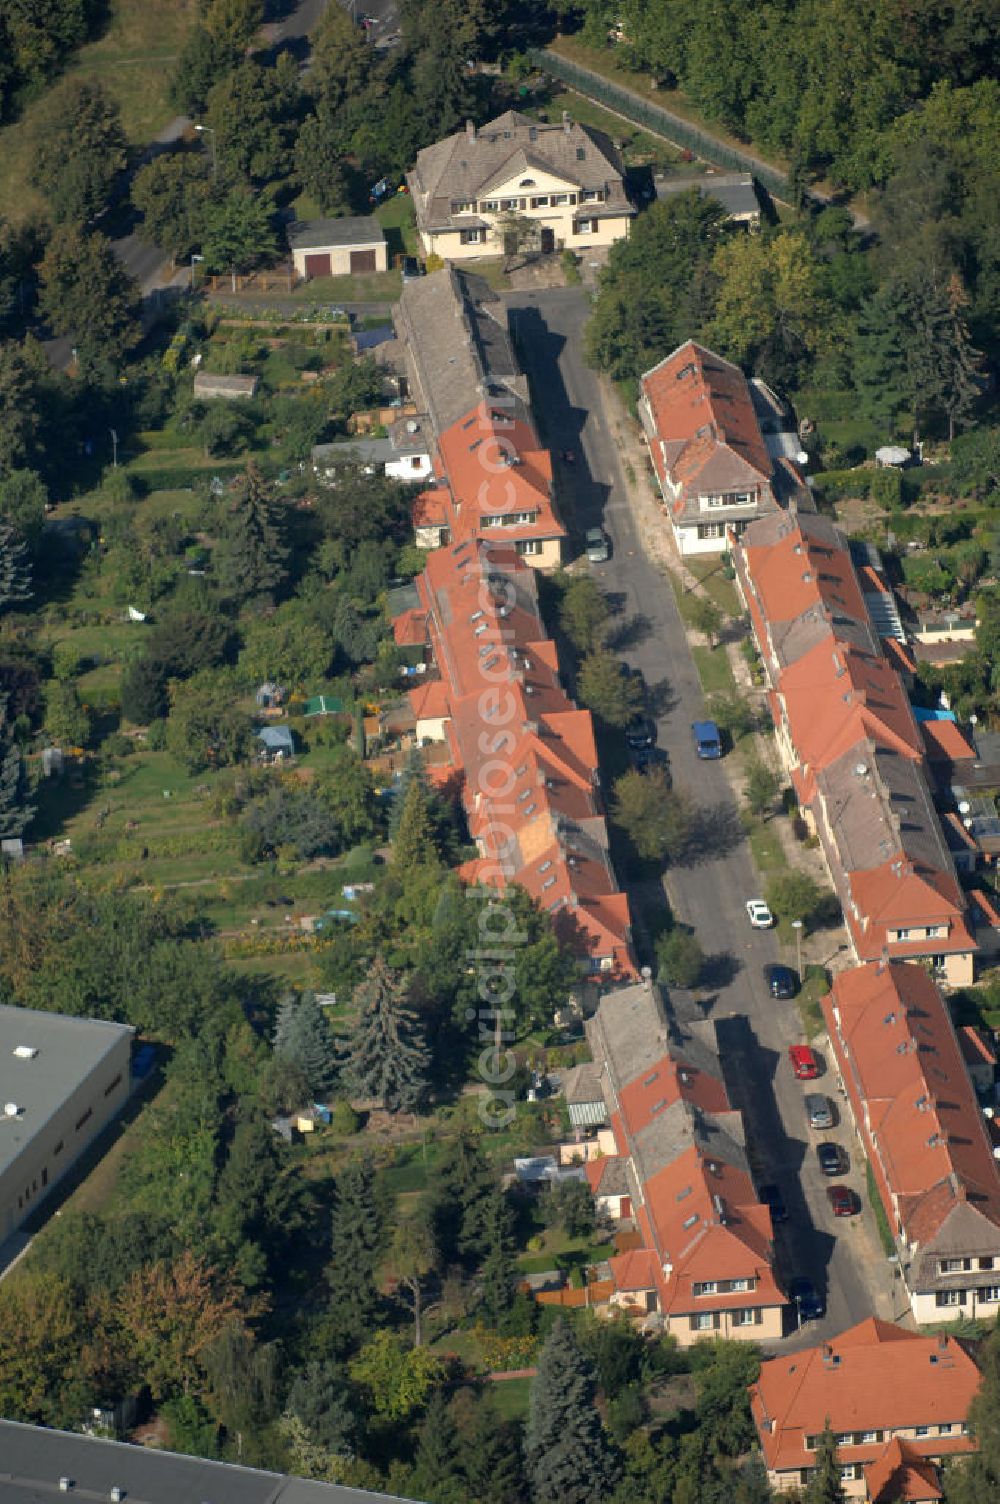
(512, 1397)
(813, 989)
(377, 287)
(715, 584)
(397, 219)
(713, 670)
(133, 59)
(765, 845)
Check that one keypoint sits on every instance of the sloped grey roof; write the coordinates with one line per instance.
(736, 192)
(464, 167)
(32, 1461)
(454, 329)
(361, 229)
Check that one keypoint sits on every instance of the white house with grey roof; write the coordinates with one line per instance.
(61, 1081)
(338, 247)
(734, 192)
(474, 192)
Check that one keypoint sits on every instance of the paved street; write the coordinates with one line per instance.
(710, 894)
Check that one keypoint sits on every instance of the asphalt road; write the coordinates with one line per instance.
(710, 893)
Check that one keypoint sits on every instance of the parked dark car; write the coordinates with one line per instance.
(832, 1158)
(772, 1198)
(781, 981)
(810, 1303)
(640, 733)
(411, 268)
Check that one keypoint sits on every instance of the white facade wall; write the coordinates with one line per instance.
(48, 1154)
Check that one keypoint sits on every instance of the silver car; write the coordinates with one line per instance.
(820, 1111)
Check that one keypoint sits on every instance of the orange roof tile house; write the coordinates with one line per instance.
(896, 1402)
(492, 477)
(919, 1120)
(851, 743)
(524, 754)
(713, 464)
(681, 1178)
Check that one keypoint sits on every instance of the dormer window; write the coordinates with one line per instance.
(526, 183)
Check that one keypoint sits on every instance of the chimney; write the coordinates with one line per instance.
(827, 1352)
(470, 130)
(567, 122)
(647, 977)
(942, 1343)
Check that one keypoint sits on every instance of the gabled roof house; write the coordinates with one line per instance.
(916, 1113)
(895, 1401)
(492, 477)
(851, 743)
(524, 754)
(704, 1265)
(714, 469)
(479, 191)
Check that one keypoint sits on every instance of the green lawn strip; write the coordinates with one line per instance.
(765, 845)
(511, 1397)
(376, 287)
(713, 670)
(711, 574)
(813, 989)
(881, 1220)
(575, 1254)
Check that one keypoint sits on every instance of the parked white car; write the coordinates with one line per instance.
(759, 914)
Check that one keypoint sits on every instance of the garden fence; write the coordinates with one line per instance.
(654, 118)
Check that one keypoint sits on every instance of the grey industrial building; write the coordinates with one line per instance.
(36, 1464)
(61, 1081)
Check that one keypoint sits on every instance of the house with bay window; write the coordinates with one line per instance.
(518, 183)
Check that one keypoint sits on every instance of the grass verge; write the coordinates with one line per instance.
(881, 1220)
(765, 845)
(713, 670)
(815, 986)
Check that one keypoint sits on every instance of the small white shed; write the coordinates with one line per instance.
(338, 247)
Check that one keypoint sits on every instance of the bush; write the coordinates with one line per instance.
(156, 735)
(886, 488)
(680, 958)
(343, 1119)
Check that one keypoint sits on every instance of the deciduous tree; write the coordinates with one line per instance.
(680, 958)
(656, 819)
(613, 696)
(173, 193)
(79, 150)
(86, 293)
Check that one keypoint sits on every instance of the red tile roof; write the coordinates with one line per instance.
(526, 754)
(944, 742)
(913, 1101)
(901, 1474)
(875, 1377)
(707, 434)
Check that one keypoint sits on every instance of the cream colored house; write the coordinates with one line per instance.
(518, 184)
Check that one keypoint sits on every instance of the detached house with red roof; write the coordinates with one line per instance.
(523, 753)
(895, 1401)
(492, 477)
(714, 468)
(916, 1113)
(680, 1175)
(851, 744)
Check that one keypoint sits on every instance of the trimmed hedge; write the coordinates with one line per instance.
(182, 477)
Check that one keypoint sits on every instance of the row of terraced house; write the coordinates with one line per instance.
(858, 761)
(490, 706)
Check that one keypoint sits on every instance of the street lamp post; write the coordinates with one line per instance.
(114, 448)
(797, 927)
(194, 259)
(209, 130)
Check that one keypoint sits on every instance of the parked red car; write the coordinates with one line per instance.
(804, 1062)
(842, 1201)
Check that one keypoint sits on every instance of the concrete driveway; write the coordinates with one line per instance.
(842, 1257)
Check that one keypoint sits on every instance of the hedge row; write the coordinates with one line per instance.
(181, 477)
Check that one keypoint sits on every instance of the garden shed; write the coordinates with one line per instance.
(338, 247)
(276, 743)
(232, 388)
